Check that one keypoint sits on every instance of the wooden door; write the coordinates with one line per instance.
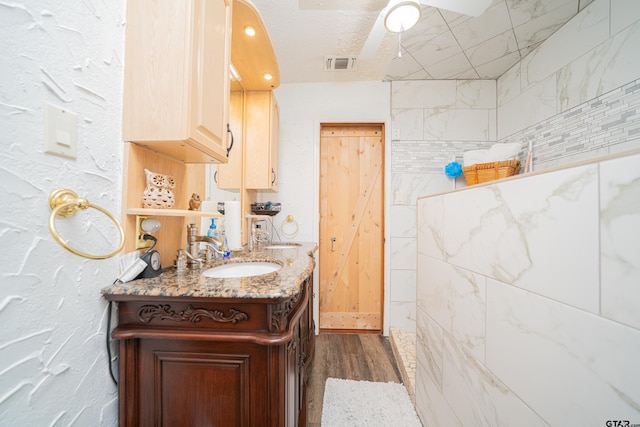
(351, 226)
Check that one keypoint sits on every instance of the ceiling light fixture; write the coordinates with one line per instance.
(267, 76)
(250, 31)
(402, 16)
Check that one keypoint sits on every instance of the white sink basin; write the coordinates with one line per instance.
(241, 269)
(284, 245)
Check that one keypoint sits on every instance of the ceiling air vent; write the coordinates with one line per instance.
(339, 63)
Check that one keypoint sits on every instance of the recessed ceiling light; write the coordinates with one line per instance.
(250, 31)
(267, 76)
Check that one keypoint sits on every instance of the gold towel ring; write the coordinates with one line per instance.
(64, 202)
(289, 220)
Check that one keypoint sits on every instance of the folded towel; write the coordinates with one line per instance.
(507, 151)
(496, 153)
(472, 157)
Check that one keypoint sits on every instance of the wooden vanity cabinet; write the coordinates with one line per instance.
(262, 140)
(214, 361)
(176, 78)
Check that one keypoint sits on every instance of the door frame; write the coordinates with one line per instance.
(317, 123)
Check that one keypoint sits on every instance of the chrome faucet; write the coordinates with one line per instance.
(193, 245)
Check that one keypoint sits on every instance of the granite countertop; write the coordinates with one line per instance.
(297, 264)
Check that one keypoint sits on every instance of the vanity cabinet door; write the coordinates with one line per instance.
(176, 78)
(188, 383)
(262, 140)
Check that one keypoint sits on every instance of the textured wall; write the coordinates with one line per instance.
(53, 363)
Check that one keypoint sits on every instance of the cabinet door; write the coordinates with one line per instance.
(191, 383)
(176, 79)
(210, 74)
(275, 144)
(261, 140)
(229, 175)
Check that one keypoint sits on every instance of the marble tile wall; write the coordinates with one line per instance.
(607, 124)
(528, 309)
(576, 97)
(432, 122)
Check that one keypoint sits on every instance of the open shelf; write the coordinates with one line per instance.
(172, 212)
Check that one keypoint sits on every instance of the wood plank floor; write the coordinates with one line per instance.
(360, 357)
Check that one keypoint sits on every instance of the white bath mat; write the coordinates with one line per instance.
(365, 403)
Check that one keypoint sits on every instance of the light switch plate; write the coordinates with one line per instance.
(60, 131)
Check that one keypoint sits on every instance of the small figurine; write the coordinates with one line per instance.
(195, 202)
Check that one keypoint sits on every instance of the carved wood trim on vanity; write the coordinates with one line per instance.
(280, 312)
(191, 314)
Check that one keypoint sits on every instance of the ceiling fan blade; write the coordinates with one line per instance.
(465, 7)
(374, 39)
(377, 34)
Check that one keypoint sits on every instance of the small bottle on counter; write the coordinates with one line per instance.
(213, 230)
(181, 260)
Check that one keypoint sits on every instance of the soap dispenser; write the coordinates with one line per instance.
(213, 230)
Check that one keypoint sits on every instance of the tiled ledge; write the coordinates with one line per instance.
(404, 349)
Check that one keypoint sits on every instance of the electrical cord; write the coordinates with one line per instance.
(149, 237)
(113, 377)
(108, 334)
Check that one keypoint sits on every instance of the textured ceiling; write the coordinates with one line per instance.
(443, 45)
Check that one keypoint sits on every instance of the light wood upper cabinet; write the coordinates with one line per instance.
(229, 175)
(262, 140)
(176, 79)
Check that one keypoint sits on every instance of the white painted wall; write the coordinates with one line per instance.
(303, 107)
(53, 362)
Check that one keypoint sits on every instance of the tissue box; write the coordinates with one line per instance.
(485, 172)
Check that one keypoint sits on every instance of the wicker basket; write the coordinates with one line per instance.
(485, 172)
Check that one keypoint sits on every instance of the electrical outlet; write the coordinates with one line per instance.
(395, 134)
(140, 242)
(398, 198)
